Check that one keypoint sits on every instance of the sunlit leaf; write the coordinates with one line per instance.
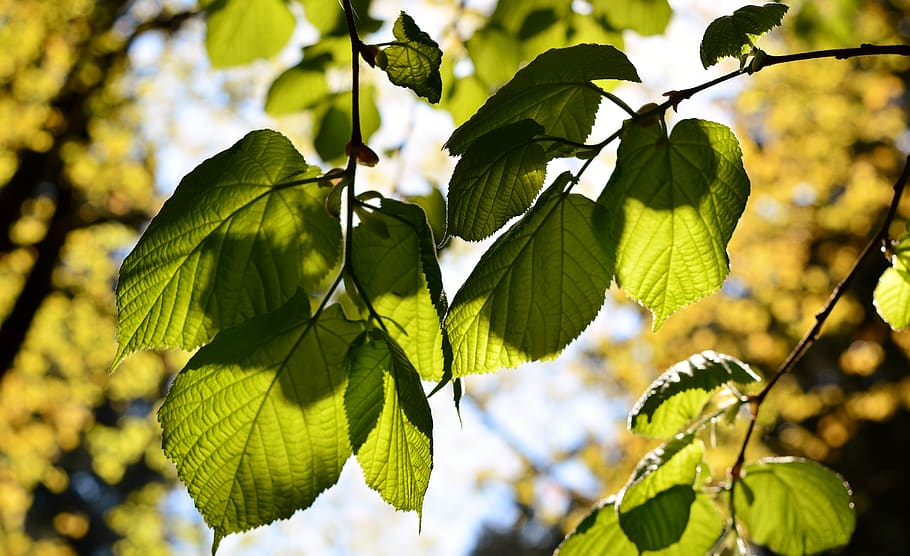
(679, 394)
(554, 90)
(391, 425)
(240, 235)
(240, 31)
(256, 420)
(892, 294)
(399, 274)
(298, 88)
(673, 205)
(735, 35)
(413, 60)
(497, 178)
(536, 289)
(645, 17)
(794, 506)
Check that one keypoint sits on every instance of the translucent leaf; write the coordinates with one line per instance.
(391, 425)
(535, 290)
(256, 420)
(400, 276)
(794, 506)
(654, 506)
(673, 205)
(298, 88)
(892, 294)
(240, 31)
(679, 394)
(495, 53)
(497, 178)
(240, 235)
(554, 90)
(645, 17)
(735, 35)
(413, 60)
(600, 533)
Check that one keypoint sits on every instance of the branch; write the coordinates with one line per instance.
(837, 53)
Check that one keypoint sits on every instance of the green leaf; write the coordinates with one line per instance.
(892, 294)
(496, 54)
(735, 35)
(413, 60)
(680, 393)
(535, 290)
(794, 506)
(497, 178)
(391, 424)
(328, 18)
(654, 506)
(256, 420)
(334, 127)
(600, 533)
(298, 88)
(400, 276)
(240, 235)
(645, 17)
(240, 31)
(554, 90)
(434, 207)
(673, 205)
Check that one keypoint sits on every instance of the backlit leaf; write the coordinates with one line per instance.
(240, 235)
(554, 90)
(391, 425)
(497, 178)
(240, 31)
(298, 88)
(413, 60)
(794, 506)
(735, 35)
(892, 294)
(256, 420)
(536, 289)
(679, 394)
(645, 17)
(673, 205)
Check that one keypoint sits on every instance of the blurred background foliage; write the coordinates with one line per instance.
(81, 470)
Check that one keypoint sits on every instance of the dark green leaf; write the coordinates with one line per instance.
(238, 238)
(434, 206)
(554, 90)
(497, 178)
(535, 290)
(391, 425)
(680, 393)
(240, 31)
(794, 506)
(334, 127)
(735, 35)
(413, 60)
(256, 421)
(673, 204)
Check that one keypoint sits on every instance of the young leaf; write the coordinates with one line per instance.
(654, 506)
(680, 393)
(256, 420)
(794, 506)
(240, 235)
(497, 178)
(535, 290)
(892, 294)
(735, 35)
(391, 424)
(673, 205)
(400, 277)
(240, 31)
(554, 90)
(413, 60)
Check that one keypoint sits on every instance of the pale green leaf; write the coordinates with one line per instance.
(554, 90)
(794, 506)
(679, 394)
(892, 294)
(497, 178)
(240, 31)
(298, 88)
(536, 289)
(645, 17)
(256, 420)
(413, 60)
(495, 53)
(735, 35)
(654, 506)
(391, 424)
(398, 271)
(240, 235)
(673, 204)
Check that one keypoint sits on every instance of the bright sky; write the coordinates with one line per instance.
(542, 408)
